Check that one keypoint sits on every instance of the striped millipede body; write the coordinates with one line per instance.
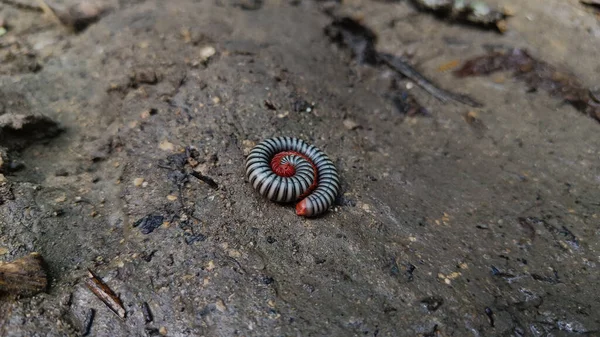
(285, 169)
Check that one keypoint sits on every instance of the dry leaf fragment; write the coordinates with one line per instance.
(25, 276)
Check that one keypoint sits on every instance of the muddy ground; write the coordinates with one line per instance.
(445, 228)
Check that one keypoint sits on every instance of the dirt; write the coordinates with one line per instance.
(458, 222)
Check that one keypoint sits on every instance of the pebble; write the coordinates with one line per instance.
(350, 124)
(171, 197)
(207, 52)
(138, 181)
(453, 275)
(234, 253)
(62, 198)
(2, 178)
(3, 250)
(145, 114)
(165, 145)
(220, 305)
(162, 331)
(210, 266)
(248, 145)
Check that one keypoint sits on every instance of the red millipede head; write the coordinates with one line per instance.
(301, 208)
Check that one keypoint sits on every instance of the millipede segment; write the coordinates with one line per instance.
(285, 169)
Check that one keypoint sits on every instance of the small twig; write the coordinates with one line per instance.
(407, 70)
(208, 180)
(105, 294)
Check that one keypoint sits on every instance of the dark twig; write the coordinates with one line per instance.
(407, 70)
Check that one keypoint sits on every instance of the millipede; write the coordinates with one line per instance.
(286, 169)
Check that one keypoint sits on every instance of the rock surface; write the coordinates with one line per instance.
(445, 227)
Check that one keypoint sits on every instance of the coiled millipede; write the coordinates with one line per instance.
(285, 169)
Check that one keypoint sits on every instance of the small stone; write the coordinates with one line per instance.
(210, 266)
(207, 52)
(234, 253)
(350, 124)
(138, 181)
(162, 331)
(463, 265)
(94, 213)
(220, 305)
(144, 184)
(193, 162)
(2, 178)
(248, 145)
(186, 34)
(165, 145)
(171, 197)
(216, 100)
(453, 275)
(3, 250)
(62, 198)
